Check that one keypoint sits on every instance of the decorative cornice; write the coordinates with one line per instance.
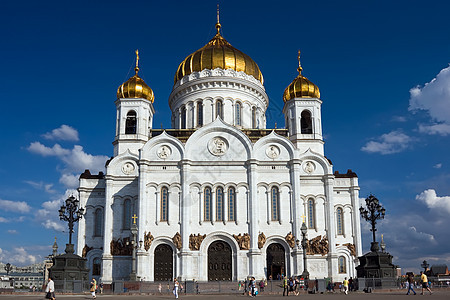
(218, 78)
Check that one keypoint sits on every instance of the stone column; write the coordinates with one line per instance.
(255, 268)
(185, 213)
(356, 224)
(331, 226)
(81, 232)
(107, 258)
(141, 213)
(296, 213)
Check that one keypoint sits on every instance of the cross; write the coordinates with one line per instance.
(303, 218)
(134, 218)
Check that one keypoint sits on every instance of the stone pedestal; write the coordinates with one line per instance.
(376, 264)
(69, 268)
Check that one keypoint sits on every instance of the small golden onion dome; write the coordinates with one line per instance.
(135, 87)
(301, 87)
(218, 53)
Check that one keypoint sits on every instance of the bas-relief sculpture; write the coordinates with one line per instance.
(261, 240)
(290, 239)
(177, 241)
(195, 240)
(121, 247)
(317, 245)
(148, 239)
(243, 241)
(86, 249)
(351, 247)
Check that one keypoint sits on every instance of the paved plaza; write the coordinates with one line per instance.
(385, 295)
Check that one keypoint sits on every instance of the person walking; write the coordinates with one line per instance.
(50, 289)
(345, 284)
(424, 280)
(285, 287)
(93, 288)
(176, 285)
(410, 281)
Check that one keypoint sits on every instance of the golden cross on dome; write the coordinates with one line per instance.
(218, 20)
(299, 64)
(134, 217)
(137, 61)
(303, 218)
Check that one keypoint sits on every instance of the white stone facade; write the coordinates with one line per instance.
(220, 181)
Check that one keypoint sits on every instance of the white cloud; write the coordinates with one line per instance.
(434, 202)
(48, 214)
(12, 231)
(14, 206)
(437, 166)
(434, 97)
(421, 236)
(4, 220)
(400, 119)
(41, 186)
(69, 180)
(435, 129)
(388, 143)
(65, 133)
(56, 150)
(53, 225)
(21, 256)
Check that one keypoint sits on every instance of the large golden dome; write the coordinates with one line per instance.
(301, 87)
(135, 87)
(218, 53)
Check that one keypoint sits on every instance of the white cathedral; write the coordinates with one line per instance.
(219, 196)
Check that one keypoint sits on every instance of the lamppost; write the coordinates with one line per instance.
(71, 213)
(134, 246)
(8, 268)
(304, 230)
(425, 265)
(373, 212)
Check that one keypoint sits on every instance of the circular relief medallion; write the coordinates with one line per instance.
(272, 151)
(164, 152)
(309, 167)
(217, 146)
(128, 168)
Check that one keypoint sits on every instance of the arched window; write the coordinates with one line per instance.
(219, 109)
(238, 113)
(306, 122)
(311, 214)
(130, 123)
(275, 199)
(231, 204)
(96, 266)
(199, 113)
(98, 222)
(340, 220)
(183, 117)
(219, 204)
(341, 265)
(207, 206)
(164, 204)
(127, 214)
(254, 117)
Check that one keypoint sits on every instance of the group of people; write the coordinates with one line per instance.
(292, 285)
(410, 282)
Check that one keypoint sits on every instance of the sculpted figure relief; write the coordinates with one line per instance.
(217, 146)
(148, 239)
(86, 249)
(290, 239)
(317, 245)
(121, 246)
(261, 240)
(351, 247)
(243, 241)
(177, 240)
(195, 240)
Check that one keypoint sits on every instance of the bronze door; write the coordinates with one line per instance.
(163, 263)
(219, 261)
(276, 264)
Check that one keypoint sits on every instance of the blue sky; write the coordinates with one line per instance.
(382, 68)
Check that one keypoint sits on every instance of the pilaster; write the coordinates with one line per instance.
(107, 258)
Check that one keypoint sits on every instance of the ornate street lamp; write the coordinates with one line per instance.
(304, 230)
(71, 213)
(134, 245)
(8, 268)
(373, 212)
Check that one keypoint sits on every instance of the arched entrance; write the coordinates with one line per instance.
(276, 264)
(219, 261)
(163, 263)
